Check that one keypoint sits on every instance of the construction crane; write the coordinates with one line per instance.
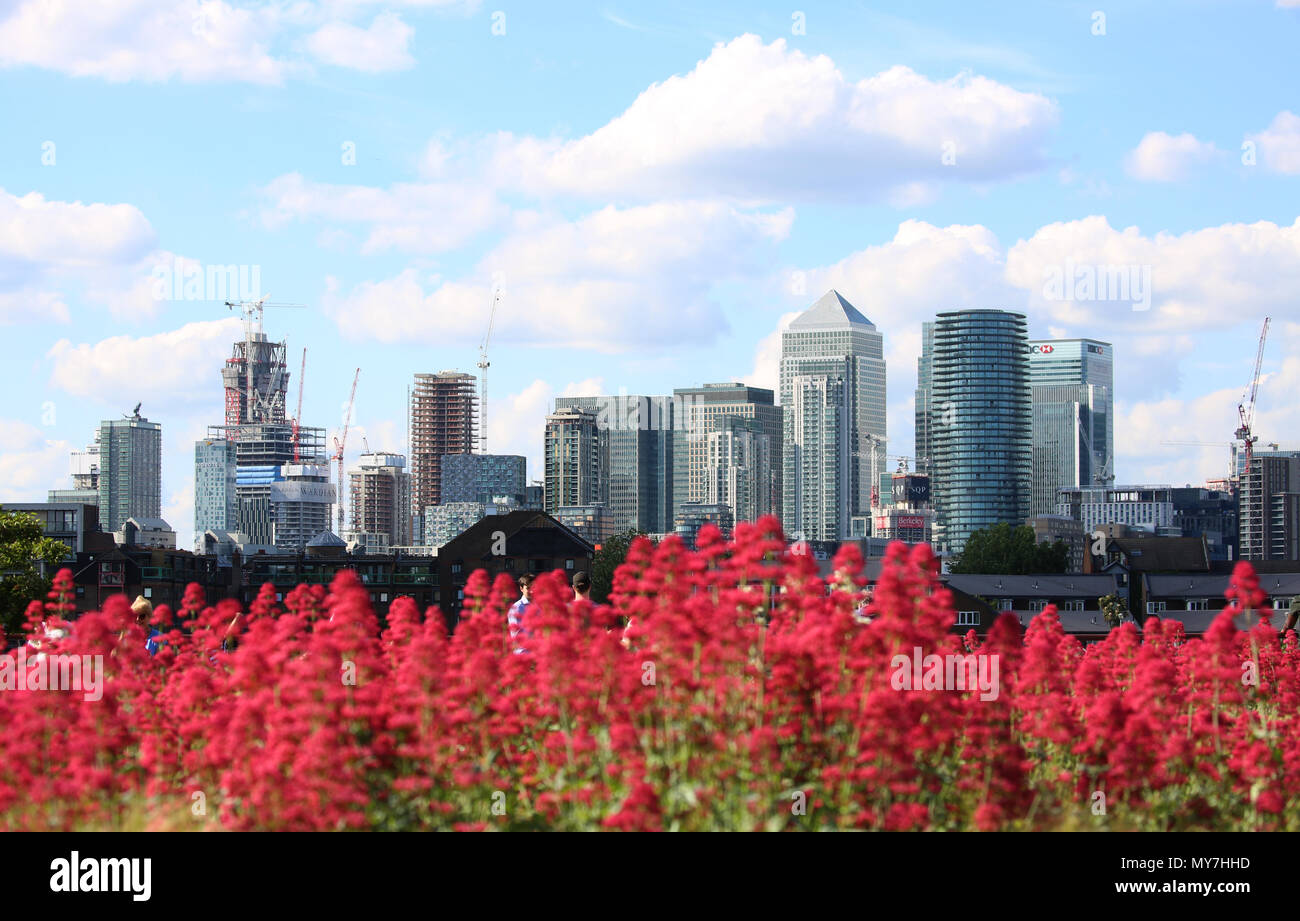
(1246, 408)
(297, 415)
(252, 311)
(483, 364)
(340, 444)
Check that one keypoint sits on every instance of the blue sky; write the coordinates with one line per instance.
(657, 187)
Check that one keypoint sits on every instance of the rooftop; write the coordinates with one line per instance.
(831, 311)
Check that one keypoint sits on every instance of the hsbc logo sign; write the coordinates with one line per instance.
(1042, 349)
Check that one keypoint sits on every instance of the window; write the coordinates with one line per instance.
(968, 618)
(1197, 604)
(1279, 603)
(1005, 604)
(1072, 606)
(568, 564)
(1037, 605)
(383, 596)
(1155, 607)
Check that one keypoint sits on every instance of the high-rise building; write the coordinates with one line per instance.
(572, 460)
(693, 516)
(727, 448)
(262, 452)
(215, 501)
(591, 522)
(85, 478)
(256, 378)
(484, 477)
(924, 399)
(1268, 506)
(302, 499)
(832, 388)
(450, 519)
(635, 439)
(980, 423)
(379, 490)
(443, 416)
(1072, 385)
(130, 470)
(1200, 511)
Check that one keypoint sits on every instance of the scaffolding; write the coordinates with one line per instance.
(267, 385)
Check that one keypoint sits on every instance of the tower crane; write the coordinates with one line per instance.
(252, 312)
(483, 364)
(297, 415)
(341, 444)
(1246, 408)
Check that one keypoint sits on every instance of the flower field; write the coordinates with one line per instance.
(750, 698)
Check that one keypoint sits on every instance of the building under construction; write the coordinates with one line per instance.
(256, 378)
(443, 417)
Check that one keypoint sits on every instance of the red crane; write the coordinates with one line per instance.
(302, 376)
(1246, 408)
(340, 445)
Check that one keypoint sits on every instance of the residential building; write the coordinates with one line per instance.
(146, 532)
(215, 499)
(980, 421)
(832, 392)
(1048, 529)
(572, 460)
(1147, 508)
(484, 477)
(445, 521)
(443, 420)
(379, 490)
(591, 522)
(1269, 507)
(695, 515)
(74, 524)
(130, 470)
(301, 500)
(1213, 513)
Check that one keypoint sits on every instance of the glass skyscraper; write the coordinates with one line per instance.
(1072, 383)
(980, 423)
(130, 470)
(832, 384)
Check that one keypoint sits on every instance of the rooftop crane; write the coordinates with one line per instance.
(253, 310)
(483, 364)
(1246, 408)
(302, 377)
(341, 444)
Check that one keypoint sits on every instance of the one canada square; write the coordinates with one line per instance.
(832, 384)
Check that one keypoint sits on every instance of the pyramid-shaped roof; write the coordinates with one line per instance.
(831, 310)
(326, 539)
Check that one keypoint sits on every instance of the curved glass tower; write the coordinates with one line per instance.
(980, 423)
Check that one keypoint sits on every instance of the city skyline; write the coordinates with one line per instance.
(382, 194)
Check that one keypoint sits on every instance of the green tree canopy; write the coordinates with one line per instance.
(612, 553)
(27, 562)
(1003, 549)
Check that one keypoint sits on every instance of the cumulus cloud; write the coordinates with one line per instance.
(611, 280)
(30, 462)
(381, 47)
(171, 368)
(1279, 143)
(409, 217)
(1160, 157)
(769, 122)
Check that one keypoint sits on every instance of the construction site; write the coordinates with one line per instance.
(443, 420)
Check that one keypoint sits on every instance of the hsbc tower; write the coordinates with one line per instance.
(1072, 383)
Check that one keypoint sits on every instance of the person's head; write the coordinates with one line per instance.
(142, 607)
(582, 584)
(526, 585)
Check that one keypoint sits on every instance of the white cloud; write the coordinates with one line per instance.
(1279, 143)
(410, 217)
(381, 47)
(612, 280)
(156, 369)
(1160, 157)
(151, 40)
(30, 462)
(767, 356)
(767, 122)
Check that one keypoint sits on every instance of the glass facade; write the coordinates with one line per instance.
(214, 487)
(130, 471)
(1073, 417)
(980, 423)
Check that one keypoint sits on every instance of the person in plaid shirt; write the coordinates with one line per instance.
(518, 610)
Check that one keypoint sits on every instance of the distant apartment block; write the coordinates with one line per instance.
(1142, 508)
(572, 460)
(443, 420)
(130, 470)
(484, 477)
(1269, 507)
(379, 492)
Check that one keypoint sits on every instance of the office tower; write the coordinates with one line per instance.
(572, 460)
(484, 477)
(635, 438)
(215, 501)
(1268, 506)
(255, 377)
(980, 419)
(924, 399)
(379, 490)
(130, 470)
(301, 499)
(833, 400)
(262, 452)
(728, 441)
(443, 414)
(1073, 420)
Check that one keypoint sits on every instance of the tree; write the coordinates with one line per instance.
(1005, 550)
(27, 560)
(1112, 608)
(608, 558)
